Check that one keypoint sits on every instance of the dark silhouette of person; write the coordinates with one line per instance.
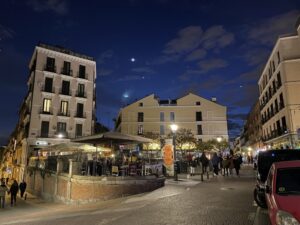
(14, 188)
(22, 187)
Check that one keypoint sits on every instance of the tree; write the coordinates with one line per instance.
(185, 139)
(212, 144)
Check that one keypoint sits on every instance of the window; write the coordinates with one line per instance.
(199, 129)
(48, 84)
(65, 90)
(140, 129)
(64, 108)
(67, 68)
(81, 71)
(287, 181)
(273, 65)
(61, 128)
(199, 116)
(44, 129)
(78, 131)
(276, 106)
(162, 130)
(141, 104)
(281, 101)
(172, 116)
(278, 57)
(140, 117)
(279, 80)
(80, 110)
(46, 105)
(80, 92)
(50, 66)
(162, 116)
(283, 121)
(198, 103)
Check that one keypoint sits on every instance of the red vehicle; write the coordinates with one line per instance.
(283, 193)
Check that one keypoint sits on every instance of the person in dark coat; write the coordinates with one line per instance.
(22, 187)
(204, 161)
(215, 163)
(14, 188)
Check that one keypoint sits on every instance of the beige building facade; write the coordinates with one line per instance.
(59, 104)
(279, 87)
(206, 119)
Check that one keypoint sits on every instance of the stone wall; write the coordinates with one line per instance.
(74, 189)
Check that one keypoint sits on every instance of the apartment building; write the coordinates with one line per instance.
(59, 104)
(279, 87)
(206, 119)
(252, 130)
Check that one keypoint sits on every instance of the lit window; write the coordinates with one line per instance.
(47, 105)
(140, 129)
(64, 108)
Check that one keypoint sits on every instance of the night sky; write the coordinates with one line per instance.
(166, 47)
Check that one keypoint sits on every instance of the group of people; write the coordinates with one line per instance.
(12, 191)
(218, 163)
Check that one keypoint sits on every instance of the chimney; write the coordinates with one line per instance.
(214, 99)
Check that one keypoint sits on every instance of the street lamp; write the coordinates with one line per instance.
(174, 128)
(219, 139)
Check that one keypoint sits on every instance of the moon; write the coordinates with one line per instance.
(132, 59)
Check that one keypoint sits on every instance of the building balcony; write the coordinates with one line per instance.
(80, 115)
(82, 75)
(46, 112)
(81, 94)
(48, 89)
(66, 72)
(66, 114)
(50, 68)
(65, 92)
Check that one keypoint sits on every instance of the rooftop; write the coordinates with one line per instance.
(65, 51)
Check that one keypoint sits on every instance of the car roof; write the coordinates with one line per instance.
(287, 164)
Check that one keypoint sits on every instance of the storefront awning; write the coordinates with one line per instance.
(112, 137)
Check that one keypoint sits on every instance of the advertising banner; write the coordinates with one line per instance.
(168, 157)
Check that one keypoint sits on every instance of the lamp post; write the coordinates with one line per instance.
(174, 128)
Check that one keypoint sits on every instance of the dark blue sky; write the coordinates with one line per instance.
(211, 48)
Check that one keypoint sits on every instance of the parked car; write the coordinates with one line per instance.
(283, 193)
(265, 159)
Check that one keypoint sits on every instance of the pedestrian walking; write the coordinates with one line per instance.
(215, 164)
(225, 165)
(237, 161)
(14, 188)
(3, 190)
(204, 161)
(22, 187)
(193, 166)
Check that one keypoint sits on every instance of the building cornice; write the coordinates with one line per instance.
(272, 53)
(66, 56)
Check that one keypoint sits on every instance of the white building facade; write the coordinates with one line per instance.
(279, 87)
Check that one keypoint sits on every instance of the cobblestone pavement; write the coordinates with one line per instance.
(216, 201)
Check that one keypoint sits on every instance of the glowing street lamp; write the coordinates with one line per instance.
(174, 128)
(219, 139)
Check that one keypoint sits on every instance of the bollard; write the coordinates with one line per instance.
(207, 175)
(202, 176)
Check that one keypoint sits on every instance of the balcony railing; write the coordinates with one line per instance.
(82, 75)
(50, 68)
(81, 94)
(66, 72)
(43, 111)
(65, 92)
(48, 89)
(67, 114)
(80, 115)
